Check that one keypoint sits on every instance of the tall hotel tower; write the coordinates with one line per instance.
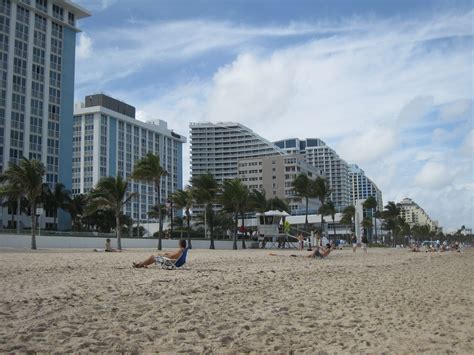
(109, 141)
(37, 57)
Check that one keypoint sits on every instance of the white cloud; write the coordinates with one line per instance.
(416, 109)
(96, 5)
(468, 146)
(456, 110)
(432, 176)
(84, 46)
(368, 145)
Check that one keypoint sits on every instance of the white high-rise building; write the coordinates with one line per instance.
(335, 169)
(37, 58)
(362, 187)
(108, 141)
(413, 214)
(216, 148)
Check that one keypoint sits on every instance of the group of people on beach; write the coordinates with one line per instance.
(437, 247)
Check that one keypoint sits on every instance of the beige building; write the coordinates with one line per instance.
(275, 174)
(413, 214)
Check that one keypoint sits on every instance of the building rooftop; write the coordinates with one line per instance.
(110, 103)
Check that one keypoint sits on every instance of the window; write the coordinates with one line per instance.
(21, 49)
(58, 12)
(71, 19)
(18, 102)
(4, 42)
(55, 62)
(57, 30)
(38, 55)
(21, 31)
(22, 14)
(40, 23)
(40, 39)
(42, 5)
(56, 46)
(5, 7)
(38, 72)
(36, 107)
(4, 24)
(19, 84)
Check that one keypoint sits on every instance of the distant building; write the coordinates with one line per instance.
(108, 141)
(275, 175)
(216, 148)
(362, 187)
(413, 214)
(37, 59)
(321, 156)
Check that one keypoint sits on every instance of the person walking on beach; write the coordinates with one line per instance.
(354, 243)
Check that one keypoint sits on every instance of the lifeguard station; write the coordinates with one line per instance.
(270, 230)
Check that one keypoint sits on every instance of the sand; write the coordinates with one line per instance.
(234, 302)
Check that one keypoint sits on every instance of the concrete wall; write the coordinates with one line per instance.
(47, 242)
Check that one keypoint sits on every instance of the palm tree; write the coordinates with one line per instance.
(367, 224)
(245, 207)
(183, 199)
(56, 198)
(391, 221)
(258, 200)
(304, 188)
(277, 203)
(348, 214)
(330, 210)
(110, 194)
(28, 175)
(233, 198)
(371, 204)
(75, 207)
(204, 190)
(321, 192)
(149, 169)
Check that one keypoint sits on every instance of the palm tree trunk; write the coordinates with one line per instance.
(235, 231)
(118, 231)
(245, 233)
(212, 246)
(33, 226)
(55, 219)
(306, 219)
(160, 224)
(18, 213)
(188, 220)
(375, 225)
(334, 226)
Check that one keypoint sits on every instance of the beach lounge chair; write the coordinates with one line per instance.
(172, 264)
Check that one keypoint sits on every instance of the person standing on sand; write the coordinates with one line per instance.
(300, 242)
(364, 243)
(354, 243)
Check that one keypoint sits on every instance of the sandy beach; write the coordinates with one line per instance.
(237, 301)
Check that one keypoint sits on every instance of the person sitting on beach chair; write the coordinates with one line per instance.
(167, 260)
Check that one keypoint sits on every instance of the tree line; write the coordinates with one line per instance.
(23, 189)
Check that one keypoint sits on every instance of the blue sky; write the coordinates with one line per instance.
(388, 84)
